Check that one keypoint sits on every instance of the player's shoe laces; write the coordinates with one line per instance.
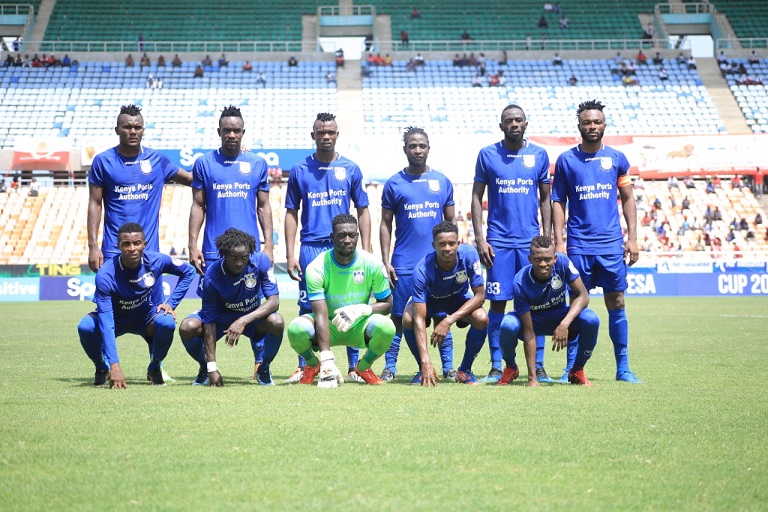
(564, 378)
(628, 376)
(309, 374)
(202, 378)
(541, 375)
(100, 378)
(156, 377)
(295, 376)
(369, 376)
(578, 377)
(450, 375)
(387, 375)
(416, 379)
(508, 375)
(493, 376)
(256, 371)
(264, 376)
(352, 376)
(469, 378)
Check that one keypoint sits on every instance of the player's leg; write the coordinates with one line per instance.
(410, 338)
(270, 330)
(160, 331)
(90, 340)
(400, 296)
(301, 336)
(191, 332)
(509, 333)
(446, 357)
(498, 289)
(586, 266)
(478, 328)
(586, 325)
(377, 332)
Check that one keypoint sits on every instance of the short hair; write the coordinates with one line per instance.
(413, 130)
(541, 242)
(589, 105)
(233, 237)
(231, 111)
(325, 117)
(129, 110)
(343, 218)
(511, 106)
(445, 226)
(130, 227)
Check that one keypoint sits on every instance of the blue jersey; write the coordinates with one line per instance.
(227, 298)
(512, 179)
(132, 189)
(431, 283)
(418, 203)
(128, 295)
(326, 191)
(230, 186)
(537, 297)
(588, 182)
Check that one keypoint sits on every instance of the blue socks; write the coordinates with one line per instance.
(390, 357)
(446, 352)
(90, 340)
(618, 330)
(540, 347)
(508, 338)
(475, 340)
(494, 324)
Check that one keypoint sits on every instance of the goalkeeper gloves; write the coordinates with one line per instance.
(346, 316)
(330, 376)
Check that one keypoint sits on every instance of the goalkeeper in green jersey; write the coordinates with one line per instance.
(340, 282)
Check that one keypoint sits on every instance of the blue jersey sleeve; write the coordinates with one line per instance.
(105, 317)
(449, 195)
(266, 276)
(358, 193)
(186, 274)
(560, 182)
(472, 259)
(211, 299)
(292, 190)
(197, 173)
(96, 175)
(263, 169)
(169, 168)
(388, 199)
(420, 291)
(521, 304)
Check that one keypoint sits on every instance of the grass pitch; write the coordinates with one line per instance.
(693, 437)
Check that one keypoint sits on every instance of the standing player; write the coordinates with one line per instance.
(229, 189)
(516, 173)
(126, 182)
(326, 183)
(417, 198)
(340, 282)
(232, 289)
(541, 307)
(129, 299)
(448, 289)
(589, 178)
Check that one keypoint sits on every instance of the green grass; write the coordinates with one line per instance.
(692, 438)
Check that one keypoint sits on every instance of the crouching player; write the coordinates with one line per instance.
(339, 285)
(231, 307)
(448, 288)
(129, 299)
(541, 309)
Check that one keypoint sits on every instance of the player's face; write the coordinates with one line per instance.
(592, 125)
(344, 239)
(236, 260)
(325, 134)
(131, 247)
(231, 132)
(542, 260)
(130, 129)
(417, 150)
(446, 245)
(513, 124)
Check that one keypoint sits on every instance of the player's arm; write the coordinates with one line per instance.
(466, 309)
(264, 213)
(183, 177)
(209, 341)
(529, 346)
(382, 306)
(186, 274)
(291, 225)
(196, 218)
(629, 209)
(449, 213)
(322, 328)
(95, 199)
(579, 300)
(237, 327)
(484, 250)
(428, 373)
(545, 207)
(558, 225)
(385, 241)
(364, 221)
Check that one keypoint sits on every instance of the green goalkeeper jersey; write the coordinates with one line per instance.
(343, 286)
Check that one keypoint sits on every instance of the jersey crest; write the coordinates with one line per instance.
(250, 281)
(145, 166)
(476, 268)
(529, 161)
(556, 282)
(148, 279)
(461, 276)
(434, 185)
(358, 276)
(340, 173)
(245, 168)
(606, 163)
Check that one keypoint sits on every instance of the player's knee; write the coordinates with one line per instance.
(614, 300)
(510, 324)
(87, 325)
(300, 331)
(479, 319)
(164, 322)
(275, 324)
(190, 327)
(589, 318)
(380, 325)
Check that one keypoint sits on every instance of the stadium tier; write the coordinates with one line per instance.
(748, 19)
(751, 97)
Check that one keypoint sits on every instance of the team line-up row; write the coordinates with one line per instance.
(336, 278)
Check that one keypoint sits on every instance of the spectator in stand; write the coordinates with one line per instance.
(477, 81)
(387, 60)
(207, 61)
(642, 60)
(330, 77)
(457, 61)
(404, 37)
(743, 224)
(261, 79)
(721, 58)
(657, 60)
(558, 60)
(128, 61)
(543, 24)
(8, 61)
(691, 62)
(758, 219)
(292, 62)
(682, 60)
(565, 22)
(465, 36)
(415, 14)
(573, 80)
(378, 60)
(340, 58)
(753, 59)
(223, 62)
(144, 62)
(34, 188)
(19, 62)
(161, 62)
(176, 61)
(663, 74)
(199, 72)
(247, 67)
(419, 60)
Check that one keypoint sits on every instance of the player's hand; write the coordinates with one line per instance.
(533, 382)
(630, 249)
(269, 253)
(440, 332)
(116, 377)
(486, 253)
(167, 310)
(294, 269)
(234, 332)
(560, 247)
(560, 338)
(391, 274)
(344, 318)
(330, 376)
(215, 380)
(197, 259)
(95, 259)
(428, 375)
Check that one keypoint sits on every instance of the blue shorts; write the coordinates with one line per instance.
(307, 254)
(401, 293)
(608, 272)
(440, 309)
(500, 278)
(223, 323)
(134, 324)
(545, 322)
